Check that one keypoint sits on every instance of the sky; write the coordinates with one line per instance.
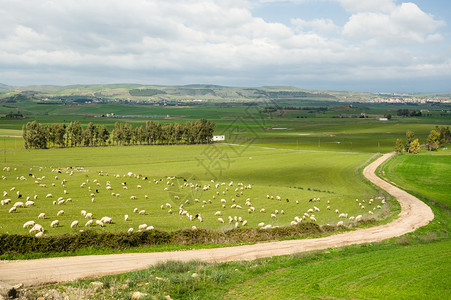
(358, 45)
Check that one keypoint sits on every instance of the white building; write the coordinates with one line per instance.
(218, 138)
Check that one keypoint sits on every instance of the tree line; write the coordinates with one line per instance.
(39, 136)
(436, 139)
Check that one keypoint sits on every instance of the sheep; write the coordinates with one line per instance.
(89, 223)
(19, 204)
(148, 228)
(142, 226)
(61, 202)
(261, 224)
(170, 211)
(244, 223)
(41, 216)
(220, 220)
(130, 230)
(12, 209)
(342, 215)
(107, 220)
(273, 216)
(340, 223)
(60, 213)
(37, 228)
(126, 218)
(39, 234)
(337, 211)
(362, 207)
(28, 224)
(310, 210)
(218, 213)
(262, 210)
(54, 223)
(328, 207)
(358, 218)
(74, 224)
(379, 207)
(351, 218)
(142, 212)
(99, 223)
(83, 213)
(132, 197)
(292, 223)
(313, 218)
(49, 196)
(370, 212)
(316, 208)
(168, 205)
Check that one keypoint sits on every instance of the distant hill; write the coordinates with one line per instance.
(6, 87)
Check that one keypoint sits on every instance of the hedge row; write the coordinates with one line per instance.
(15, 243)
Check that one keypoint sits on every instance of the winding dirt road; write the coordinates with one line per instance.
(414, 214)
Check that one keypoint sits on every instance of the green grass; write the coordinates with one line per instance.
(294, 175)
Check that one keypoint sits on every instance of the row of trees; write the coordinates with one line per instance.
(436, 139)
(37, 135)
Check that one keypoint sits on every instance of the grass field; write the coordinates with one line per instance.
(294, 175)
(414, 266)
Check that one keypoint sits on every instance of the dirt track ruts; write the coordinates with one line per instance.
(414, 214)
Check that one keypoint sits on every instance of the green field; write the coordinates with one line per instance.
(294, 175)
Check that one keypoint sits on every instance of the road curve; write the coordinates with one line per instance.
(414, 214)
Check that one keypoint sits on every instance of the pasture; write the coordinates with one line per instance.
(173, 184)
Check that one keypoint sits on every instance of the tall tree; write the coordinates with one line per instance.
(433, 140)
(410, 135)
(399, 146)
(414, 146)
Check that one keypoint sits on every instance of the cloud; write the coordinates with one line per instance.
(405, 23)
(220, 41)
(368, 5)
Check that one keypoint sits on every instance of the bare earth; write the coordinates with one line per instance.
(414, 214)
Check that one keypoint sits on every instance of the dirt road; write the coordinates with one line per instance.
(414, 214)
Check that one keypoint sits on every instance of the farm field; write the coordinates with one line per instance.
(414, 266)
(294, 176)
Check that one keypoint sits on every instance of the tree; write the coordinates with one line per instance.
(410, 135)
(399, 146)
(414, 146)
(433, 140)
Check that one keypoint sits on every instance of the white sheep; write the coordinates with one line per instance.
(99, 223)
(273, 216)
(340, 223)
(358, 218)
(88, 216)
(292, 223)
(60, 213)
(37, 228)
(54, 223)
(220, 220)
(39, 234)
(49, 196)
(89, 223)
(74, 224)
(218, 213)
(19, 204)
(28, 224)
(148, 228)
(83, 212)
(107, 220)
(262, 210)
(126, 218)
(130, 230)
(41, 216)
(12, 209)
(244, 223)
(370, 212)
(343, 215)
(142, 226)
(142, 212)
(313, 218)
(316, 208)
(135, 210)
(261, 224)
(133, 197)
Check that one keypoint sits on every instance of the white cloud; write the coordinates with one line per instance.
(406, 23)
(159, 41)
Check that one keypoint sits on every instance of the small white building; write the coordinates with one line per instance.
(218, 138)
(383, 119)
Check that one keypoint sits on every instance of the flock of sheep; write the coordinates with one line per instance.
(229, 203)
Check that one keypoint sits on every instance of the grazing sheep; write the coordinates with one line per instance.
(74, 224)
(89, 223)
(60, 213)
(342, 215)
(273, 216)
(135, 210)
(313, 218)
(261, 224)
(328, 207)
(28, 224)
(130, 230)
(142, 212)
(220, 220)
(218, 213)
(316, 208)
(340, 223)
(244, 223)
(292, 223)
(83, 213)
(41, 216)
(132, 197)
(310, 210)
(126, 218)
(49, 196)
(18, 204)
(138, 186)
(107, 220)
(148, 228)
(370, 212)
(54, 223)
(262, 210)
(39, 234)
(12, 209)
(337, 211)
(358, 218)
(142, 226)
(99, 223)
(37, 228)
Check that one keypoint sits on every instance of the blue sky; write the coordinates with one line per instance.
(360, 45)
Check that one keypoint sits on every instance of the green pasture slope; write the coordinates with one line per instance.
(414, 266)
(294, 176)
